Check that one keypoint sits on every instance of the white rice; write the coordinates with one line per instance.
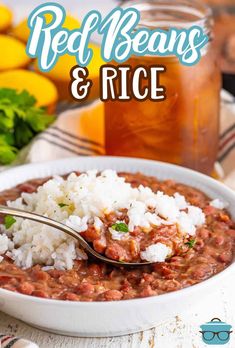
(218, 204)
(82, 200)
(156, 253)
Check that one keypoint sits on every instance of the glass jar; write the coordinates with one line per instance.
(184, 128)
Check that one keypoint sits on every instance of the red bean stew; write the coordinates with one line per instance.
(210, 253)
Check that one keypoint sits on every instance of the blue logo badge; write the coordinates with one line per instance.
(216, 332)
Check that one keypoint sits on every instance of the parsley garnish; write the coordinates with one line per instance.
(62, 205)
(20, 121)
(9, 221)
(120, 227)
(191, 243)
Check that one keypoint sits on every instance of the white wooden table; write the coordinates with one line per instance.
(179, 332)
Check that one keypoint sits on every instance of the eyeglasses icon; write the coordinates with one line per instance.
(210, 335)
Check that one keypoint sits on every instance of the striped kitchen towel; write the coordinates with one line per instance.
(226, 156)
(80, 131)
(77, 131)
(15, 342)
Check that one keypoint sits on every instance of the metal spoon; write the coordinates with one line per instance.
(68, 230)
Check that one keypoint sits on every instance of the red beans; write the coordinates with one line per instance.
(86, 289)
(95, 270)
(100, 245)
(199, 244)
(116, 252)
(89, 281)
(70, 296)
(226, 257)
(203, 233)
(172, 285)
(91, 234)
(26, 288)
(201, 271)
(68, 280)
(38, 274)
(4, 279)
(209, 210)
(148, 278)
(231, 233)
(219, 240)
(148, 291)
(112, 295)
(55, 273)
(9, 287)
(27, 187)
(126, 286)
(40, 293)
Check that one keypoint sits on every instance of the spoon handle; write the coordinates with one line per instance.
(47, 221)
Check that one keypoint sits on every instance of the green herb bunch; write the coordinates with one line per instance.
(20, 121)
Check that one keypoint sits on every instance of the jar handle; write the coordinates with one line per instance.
(215, 319)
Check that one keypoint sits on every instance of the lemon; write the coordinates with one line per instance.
(21, 31)
(39, 86)
(60, 73)
(13, 53)
(5, 18)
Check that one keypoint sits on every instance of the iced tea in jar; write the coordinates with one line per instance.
(183, 128)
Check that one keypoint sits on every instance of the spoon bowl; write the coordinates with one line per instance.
(71, 232)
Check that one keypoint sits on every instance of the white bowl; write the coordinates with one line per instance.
(102, 319)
